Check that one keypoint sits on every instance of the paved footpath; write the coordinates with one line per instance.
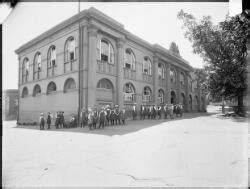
(200, 149)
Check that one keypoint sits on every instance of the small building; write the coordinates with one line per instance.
(90, 59)
(10, 104)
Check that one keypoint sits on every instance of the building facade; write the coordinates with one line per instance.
(92, 60)
(10, 104)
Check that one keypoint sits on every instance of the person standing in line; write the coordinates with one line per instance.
(101, 118)
(62, 120)
(95, 118)
(165, 109)
(90, 118)
(108, 114)
(123, 115)
(57, 120)
(159, 112)
(117, 115)
(49, 117)
(134, 112)
(112, 116)
(171, 110)
(41, 121)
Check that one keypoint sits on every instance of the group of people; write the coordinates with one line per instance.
(94, 118)
(105, 117)
(154, 111)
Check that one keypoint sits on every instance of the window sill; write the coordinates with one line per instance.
(129, 69)
(102, 61)
(51, 93)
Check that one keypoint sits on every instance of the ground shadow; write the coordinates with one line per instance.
(129, 127)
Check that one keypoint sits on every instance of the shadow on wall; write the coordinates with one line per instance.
(129, 127)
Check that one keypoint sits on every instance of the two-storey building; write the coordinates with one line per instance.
(92, 60)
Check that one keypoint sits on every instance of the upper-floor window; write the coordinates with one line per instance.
(52, 57)
(190, 83)
(172, 75)
(147, 66)
(106, 51)
(182, 79)
(25, 70)
(161, 71)
(70, 50)
(37, 65)
(129, 59)
(160, 96)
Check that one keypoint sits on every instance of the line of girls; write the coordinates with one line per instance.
(154, 111)
(104, 117)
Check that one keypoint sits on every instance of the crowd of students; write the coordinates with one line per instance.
(107, 116)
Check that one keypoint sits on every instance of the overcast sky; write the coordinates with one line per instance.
(153, 22)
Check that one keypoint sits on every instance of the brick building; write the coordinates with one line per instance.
(92, 60)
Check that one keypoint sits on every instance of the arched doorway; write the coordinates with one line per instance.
(104, 93)
(173, 97)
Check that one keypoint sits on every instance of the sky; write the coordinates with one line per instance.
(153, 22)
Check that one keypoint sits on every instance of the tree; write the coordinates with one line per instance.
(223, 49)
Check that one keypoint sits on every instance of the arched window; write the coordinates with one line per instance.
(146, 94)
(195, 86)
(25, 70)
(52, 56)
(129, 59)
(104, 84)
(160, 96)
(37, 66)
(161, 71)
(182, 79)
(25, 92)
(51, 87)
(147, 66)
(69, 85)
(36, 90)
(70, 50)
(172, 75)
(129, 92)
(106, 51)
(190, 83)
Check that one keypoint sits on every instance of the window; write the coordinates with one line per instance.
(147, 66)
(190, 83)
(52, 57)
(25, 92)
(37, 66)
(161, 96)
(129, 62)
(106, 52)
(182, 79)
(51, 87)
(104, 84)
(146, 94)
(161, 71)
(25, 70)
(172, 75)
(70, 84)
(70, 50)
(37, 90)
(129, 92)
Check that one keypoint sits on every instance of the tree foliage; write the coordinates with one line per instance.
(223, 49)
